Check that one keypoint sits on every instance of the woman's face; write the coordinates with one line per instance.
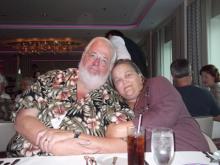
(127, 82)
(207, 79)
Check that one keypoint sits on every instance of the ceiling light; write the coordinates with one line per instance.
(45, 45)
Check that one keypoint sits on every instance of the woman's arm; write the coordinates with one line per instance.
(118, 130)
(165, 104)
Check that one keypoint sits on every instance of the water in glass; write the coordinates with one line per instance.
(162, 145)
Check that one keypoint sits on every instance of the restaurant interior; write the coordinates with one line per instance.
(46, 35)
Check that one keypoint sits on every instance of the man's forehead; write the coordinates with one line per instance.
(100, 47)
(100, 44)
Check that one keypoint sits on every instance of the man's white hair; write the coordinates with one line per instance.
(111, 47)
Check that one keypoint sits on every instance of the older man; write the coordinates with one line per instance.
(63, 104)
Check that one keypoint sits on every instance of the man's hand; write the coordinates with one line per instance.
(46, 138)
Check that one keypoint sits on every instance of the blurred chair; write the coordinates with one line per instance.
(7, 131)
(216, 134)
(216, 130)
(206, 124)
(212, 145)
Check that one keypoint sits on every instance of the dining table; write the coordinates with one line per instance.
(180, 158)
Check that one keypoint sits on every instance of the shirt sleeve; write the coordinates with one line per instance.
(165, 105)
(31, 98)
(36, 96)
(119, 110)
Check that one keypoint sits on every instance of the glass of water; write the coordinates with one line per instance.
(162, 145)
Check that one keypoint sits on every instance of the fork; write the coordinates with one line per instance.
(210, 156)
(90, 160)
(87, 160)
(15, 161)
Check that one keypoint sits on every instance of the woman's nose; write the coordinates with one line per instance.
(125, 81)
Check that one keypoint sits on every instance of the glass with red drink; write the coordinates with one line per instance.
(136, 146)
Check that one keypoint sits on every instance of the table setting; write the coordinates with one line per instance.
(162, 147)
(179, 158)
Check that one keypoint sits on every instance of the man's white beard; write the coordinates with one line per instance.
(91, 81)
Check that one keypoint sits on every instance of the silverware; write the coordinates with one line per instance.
(87, 160)
(114, 160)
(145, 162)
(91, 160)
(208, 155)
(211, 157)
(6, 163)
(15, 161)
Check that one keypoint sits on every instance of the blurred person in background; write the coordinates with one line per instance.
(199, 101)
(5, 100)
(211, 79)
(136, 54)
(25, 85)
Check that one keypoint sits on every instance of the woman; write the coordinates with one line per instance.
(160, 104)
(211, 79)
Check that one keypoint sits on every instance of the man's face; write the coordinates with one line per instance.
(94, 67)
(97, 59)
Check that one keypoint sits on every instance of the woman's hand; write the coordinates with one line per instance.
(46, 138)
(118, 130)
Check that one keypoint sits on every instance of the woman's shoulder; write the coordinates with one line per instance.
(159, 80)
(161, 85)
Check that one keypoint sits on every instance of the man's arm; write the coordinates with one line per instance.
(27, 124)
(114, 141)
(106, 144)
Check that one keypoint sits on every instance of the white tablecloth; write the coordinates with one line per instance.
(180, 158)
(7, 131)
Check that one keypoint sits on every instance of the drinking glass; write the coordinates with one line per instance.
(162, 145)
(136, 146)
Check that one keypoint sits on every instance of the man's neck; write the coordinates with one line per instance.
(82, 90)
(184, 81)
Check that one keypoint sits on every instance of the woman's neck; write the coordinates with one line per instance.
(131, 104)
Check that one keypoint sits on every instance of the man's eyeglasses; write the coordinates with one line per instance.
(104, 61)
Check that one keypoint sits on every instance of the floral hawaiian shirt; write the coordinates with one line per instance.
(54, 95)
